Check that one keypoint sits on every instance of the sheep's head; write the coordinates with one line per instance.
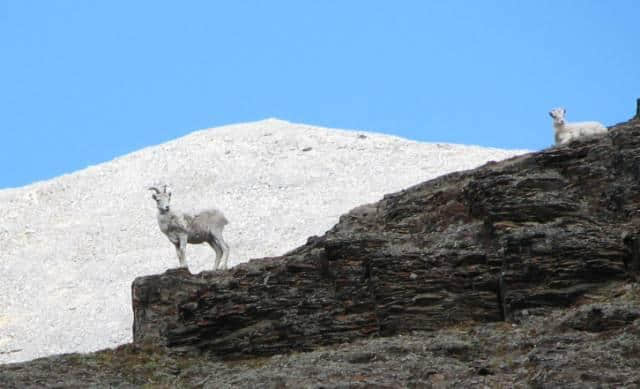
(557, 114)
(162, 198)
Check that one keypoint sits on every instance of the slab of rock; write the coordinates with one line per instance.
(528, 234)
(601, 317)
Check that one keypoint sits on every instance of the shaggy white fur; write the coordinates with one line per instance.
(566, 132)
(182, 228)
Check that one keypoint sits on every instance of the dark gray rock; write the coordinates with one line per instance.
(521, 273)
(509, 239)
(602, 317)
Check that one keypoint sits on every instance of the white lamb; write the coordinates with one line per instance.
(566, 132)
(182, 228)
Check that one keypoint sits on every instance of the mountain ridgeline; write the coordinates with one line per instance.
(519, 273)
(508, 240)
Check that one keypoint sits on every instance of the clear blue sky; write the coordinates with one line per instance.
(82, 82)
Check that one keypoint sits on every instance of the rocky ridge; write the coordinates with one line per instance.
(72, 245)
(520, 237)
(521, 273)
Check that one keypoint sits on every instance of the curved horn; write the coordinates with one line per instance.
(154, 189)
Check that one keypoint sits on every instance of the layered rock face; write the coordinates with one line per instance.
(518, 237)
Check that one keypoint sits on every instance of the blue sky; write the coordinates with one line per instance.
(82, 82)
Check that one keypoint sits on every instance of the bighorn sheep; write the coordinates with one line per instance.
(566, 132)
(183, 228)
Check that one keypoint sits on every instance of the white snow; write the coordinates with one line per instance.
(71, 246)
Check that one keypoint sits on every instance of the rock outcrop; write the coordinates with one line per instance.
(516, 238)
(521, 273)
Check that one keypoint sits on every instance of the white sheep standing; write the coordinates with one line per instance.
(566, 132)
(182, 228)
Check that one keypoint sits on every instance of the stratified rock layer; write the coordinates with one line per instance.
(514, 238)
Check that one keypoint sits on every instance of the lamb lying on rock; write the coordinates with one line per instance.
(182, 228)
(566, 132)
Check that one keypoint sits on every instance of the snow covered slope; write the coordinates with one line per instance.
(71, 246)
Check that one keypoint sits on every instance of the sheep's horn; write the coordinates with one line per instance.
(154, 189)
(164, 189)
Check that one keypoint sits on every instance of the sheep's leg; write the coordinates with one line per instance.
(214, 245)
(181, 247)
(179, 254)
(222, 251)
(225, 252)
